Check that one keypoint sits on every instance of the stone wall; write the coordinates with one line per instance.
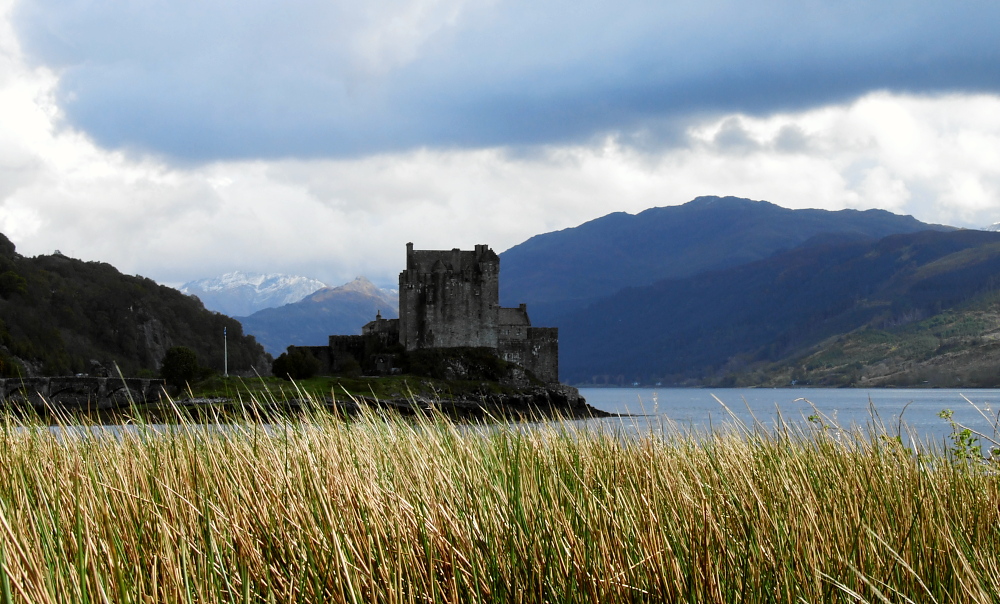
(514, 323)
(543, 347)
(347, 348)
(451, 299)
(537, 351)
(372, 351)
(79, 392)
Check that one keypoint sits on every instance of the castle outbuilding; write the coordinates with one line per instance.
(449, 299)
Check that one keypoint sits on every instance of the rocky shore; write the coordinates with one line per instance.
(536, 403)
(519, 404)
(541, 402)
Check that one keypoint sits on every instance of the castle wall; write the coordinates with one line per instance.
(344, 348)
(449, 298)
(514, 323)
(537, 351)
(382, 328)
(543, 345)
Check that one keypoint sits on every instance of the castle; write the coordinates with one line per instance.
(448, 299)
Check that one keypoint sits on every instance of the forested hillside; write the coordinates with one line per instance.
(956, 348)
(725, 324)
(61, 316)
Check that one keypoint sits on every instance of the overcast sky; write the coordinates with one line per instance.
(181, 139)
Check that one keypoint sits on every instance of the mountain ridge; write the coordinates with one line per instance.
(340, 310)
(565, 270)
(62, 316)
(239, 293)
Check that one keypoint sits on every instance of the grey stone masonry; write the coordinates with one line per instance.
(449, 299)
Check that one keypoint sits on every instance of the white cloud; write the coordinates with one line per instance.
(390, 33)
(936, 157)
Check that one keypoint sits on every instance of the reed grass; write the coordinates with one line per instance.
(381, 509)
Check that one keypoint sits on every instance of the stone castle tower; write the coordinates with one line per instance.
(452, 298)
(449, 299)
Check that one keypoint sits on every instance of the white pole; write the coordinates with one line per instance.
(225, 353)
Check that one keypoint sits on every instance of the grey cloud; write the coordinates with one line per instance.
(791, 139)
(733, 137)
(203, 80)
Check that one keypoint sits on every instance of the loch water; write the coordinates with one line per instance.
(911, 413)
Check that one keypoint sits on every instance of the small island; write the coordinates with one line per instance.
(469, 356)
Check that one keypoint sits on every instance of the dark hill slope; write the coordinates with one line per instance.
(565, 270)
(59, 314)
(695, 329)
(330, 311)
(956, 348)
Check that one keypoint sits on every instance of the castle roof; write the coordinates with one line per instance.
(514, 316)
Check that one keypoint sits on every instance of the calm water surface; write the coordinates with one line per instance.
(913, 412)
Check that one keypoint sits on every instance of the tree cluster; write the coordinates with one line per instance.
(295, 364)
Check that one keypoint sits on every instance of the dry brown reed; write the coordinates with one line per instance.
(380, 509)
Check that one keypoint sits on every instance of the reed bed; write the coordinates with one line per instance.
(381, 509)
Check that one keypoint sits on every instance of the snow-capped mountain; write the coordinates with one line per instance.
(993, 227)
(325, 312)
(240, 294)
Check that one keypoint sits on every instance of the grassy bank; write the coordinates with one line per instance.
(392, 511)
(383, 387)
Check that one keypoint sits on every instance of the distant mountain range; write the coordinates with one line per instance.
(730, 291)
(719, 291)
(329, 311)
(239, 293)
(559, 272)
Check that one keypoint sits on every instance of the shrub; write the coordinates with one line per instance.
(350, 368)
(180, 366)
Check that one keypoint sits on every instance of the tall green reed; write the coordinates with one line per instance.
(378, 508)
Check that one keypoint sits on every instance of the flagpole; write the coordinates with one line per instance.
(225, 353)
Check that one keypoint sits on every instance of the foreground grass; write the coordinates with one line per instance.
(382, 510)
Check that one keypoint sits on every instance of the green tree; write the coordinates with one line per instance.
(10, 367)
(180, 366)
(295, 364)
